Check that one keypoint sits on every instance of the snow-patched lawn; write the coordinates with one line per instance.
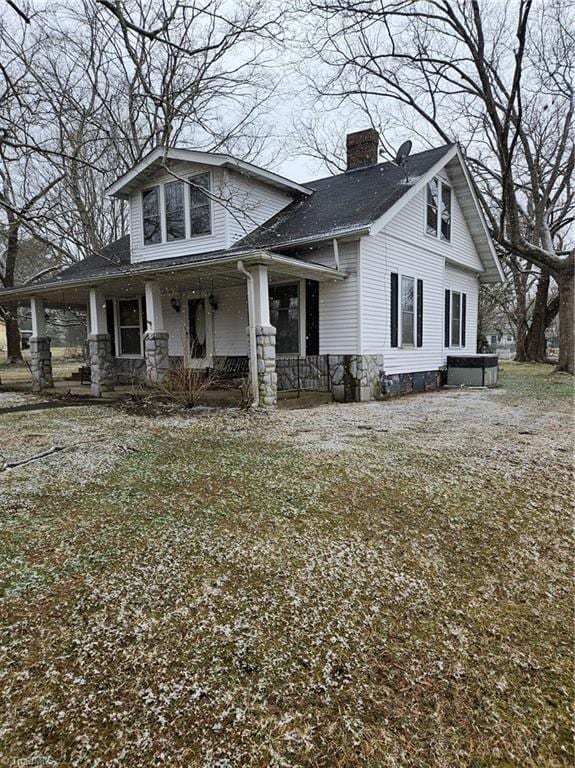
(371, 585)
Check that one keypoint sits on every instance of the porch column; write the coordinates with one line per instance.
(265, 338)
(100, 346)
(156, 337)
(40, 354)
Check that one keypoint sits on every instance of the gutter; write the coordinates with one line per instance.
(252, 334)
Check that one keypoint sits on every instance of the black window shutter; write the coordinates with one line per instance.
(312, 317)
(447, 316)
(463, 317)
(420, 313)
(111, 325)
(144, 316)
(394, 308)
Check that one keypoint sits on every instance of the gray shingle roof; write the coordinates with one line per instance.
(343, 203)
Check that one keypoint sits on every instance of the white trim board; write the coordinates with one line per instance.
(122, 187)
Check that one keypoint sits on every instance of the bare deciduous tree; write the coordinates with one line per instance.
(497, 77)
(86, 90)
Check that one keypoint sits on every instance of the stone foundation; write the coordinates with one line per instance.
(41, 363)
(101, 363)
(157, 358)
(266, 356)
(406, 383)
(128, 370)
(355, 378)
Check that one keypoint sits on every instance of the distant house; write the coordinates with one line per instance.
(501, 341)
(360, 283)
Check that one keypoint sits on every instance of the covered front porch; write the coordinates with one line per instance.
(254, 318)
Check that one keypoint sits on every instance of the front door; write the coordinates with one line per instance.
(197, 330)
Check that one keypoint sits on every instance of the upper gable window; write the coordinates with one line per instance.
(151, 215)
(175, 210)
(438, 210)
(200, 208)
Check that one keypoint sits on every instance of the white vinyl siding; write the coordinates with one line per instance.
(381, 255)
(230, 321)
(409, 227)
(251, 204)
(339, 325)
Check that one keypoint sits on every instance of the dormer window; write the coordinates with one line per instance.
(177, 210)
(438, 210)
(151, 216)
(200, 208)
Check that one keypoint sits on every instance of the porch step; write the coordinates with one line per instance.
(82, 375)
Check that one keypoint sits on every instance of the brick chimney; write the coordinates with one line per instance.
(362, 148)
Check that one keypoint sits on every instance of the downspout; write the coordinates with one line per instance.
(252, 334)
(336, 253)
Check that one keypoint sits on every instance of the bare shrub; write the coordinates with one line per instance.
(184, 385)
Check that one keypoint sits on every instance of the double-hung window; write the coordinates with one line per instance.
(151, 216)
(438, 210)
(130, 327)
(407, 310)
(200, 208)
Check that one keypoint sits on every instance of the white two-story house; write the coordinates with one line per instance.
(360, 284)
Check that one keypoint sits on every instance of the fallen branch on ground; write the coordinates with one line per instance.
(6, 465)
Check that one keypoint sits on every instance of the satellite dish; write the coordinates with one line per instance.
(403, 152)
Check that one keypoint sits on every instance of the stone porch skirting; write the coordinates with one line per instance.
(350, 378)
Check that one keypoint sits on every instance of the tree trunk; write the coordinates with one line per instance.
(565, 282)
(521, 336)
(536, 345)
(14, 348)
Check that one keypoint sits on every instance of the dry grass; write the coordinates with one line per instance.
(379, 585)
(65, 361)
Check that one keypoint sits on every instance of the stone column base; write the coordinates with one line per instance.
(355, 378)
(41, 363)
(266, 355)
(101, 363)
(157, 358)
